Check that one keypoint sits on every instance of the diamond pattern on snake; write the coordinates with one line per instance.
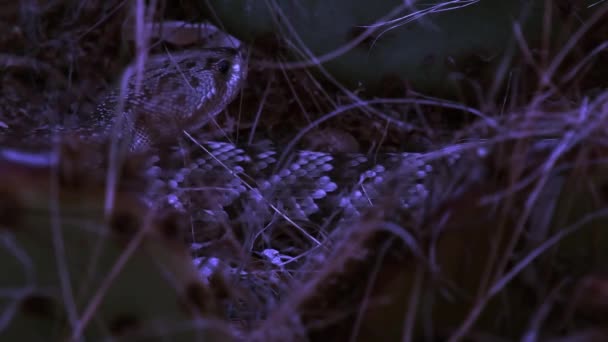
(221, 182)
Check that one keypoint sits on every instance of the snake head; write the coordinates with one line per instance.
(219, 80)
(172, 93)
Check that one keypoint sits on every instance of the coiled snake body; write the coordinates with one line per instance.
(180, 92)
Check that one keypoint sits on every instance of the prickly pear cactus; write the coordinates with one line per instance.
(437, 47)
(72, 269)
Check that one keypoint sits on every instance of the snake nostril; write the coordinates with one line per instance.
(223, 66)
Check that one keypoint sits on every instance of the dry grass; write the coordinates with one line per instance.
(509, 243)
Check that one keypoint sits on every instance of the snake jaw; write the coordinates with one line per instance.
(178, 92)
(221, 87)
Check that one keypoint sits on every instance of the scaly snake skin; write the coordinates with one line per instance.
(310, 187)
(176, 92)
(220, 182)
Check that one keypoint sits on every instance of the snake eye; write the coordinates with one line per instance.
(223, 66)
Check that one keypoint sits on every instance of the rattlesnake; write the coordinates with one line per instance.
(218, 182)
